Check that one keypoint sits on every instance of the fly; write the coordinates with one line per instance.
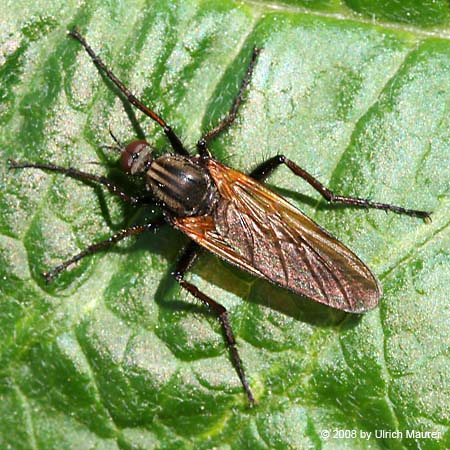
(236, 217)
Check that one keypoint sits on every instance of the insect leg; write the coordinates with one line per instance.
(267, 167)
(94, 248)
(173, 138)
(83, 176)
(186, 261)
(225, 123)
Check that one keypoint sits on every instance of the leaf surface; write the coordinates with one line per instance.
(112, 354)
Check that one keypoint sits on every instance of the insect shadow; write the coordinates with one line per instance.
(236, 217)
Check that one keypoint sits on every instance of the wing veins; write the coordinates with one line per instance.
(244, 227)
(325, 264)
(280, 252)
(298, 240)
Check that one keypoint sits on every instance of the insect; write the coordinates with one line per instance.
(234, 216)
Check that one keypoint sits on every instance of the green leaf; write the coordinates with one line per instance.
(112, 354)
(423, 14)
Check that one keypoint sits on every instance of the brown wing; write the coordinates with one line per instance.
(260, 232)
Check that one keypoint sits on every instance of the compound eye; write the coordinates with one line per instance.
(130, 154)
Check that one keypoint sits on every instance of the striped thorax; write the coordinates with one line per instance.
(181, 184)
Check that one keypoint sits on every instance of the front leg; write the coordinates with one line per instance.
(187, 259)
(231, 117)
(174, 140)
